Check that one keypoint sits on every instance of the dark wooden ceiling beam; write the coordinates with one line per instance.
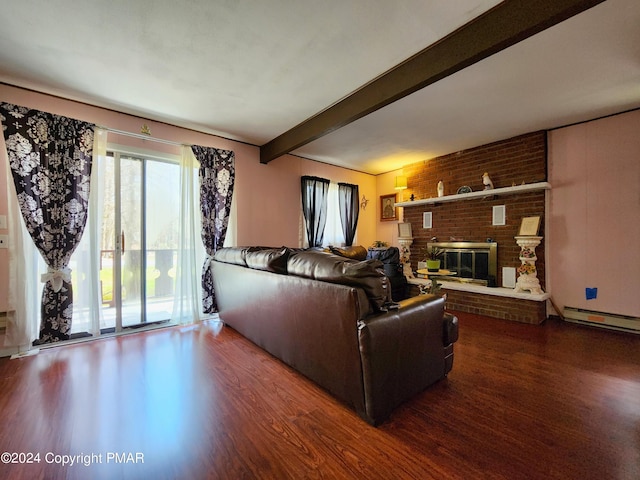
(497, 29)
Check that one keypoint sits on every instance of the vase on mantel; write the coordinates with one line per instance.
(527, 273)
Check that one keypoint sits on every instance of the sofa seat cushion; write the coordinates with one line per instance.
(367, 275)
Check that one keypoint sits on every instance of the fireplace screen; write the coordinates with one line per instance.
(472, 262)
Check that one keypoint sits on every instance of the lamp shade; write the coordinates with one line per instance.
(401, 183)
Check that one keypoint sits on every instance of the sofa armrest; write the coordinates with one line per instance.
(450, 329)
(449, 337)
(402, 353)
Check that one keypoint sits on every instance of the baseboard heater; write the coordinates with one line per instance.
(611, 321)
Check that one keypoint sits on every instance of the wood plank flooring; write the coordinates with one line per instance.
(556, 401)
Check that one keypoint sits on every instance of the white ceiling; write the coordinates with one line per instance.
(251, 70)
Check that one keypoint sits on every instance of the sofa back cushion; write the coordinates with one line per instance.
(270, 259)
(367, 275)
(232, 255)
(236, 255)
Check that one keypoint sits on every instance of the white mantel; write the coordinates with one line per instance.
(529, 187)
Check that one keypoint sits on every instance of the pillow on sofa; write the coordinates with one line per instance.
(357, 252)
(367, 274)
(271, 259)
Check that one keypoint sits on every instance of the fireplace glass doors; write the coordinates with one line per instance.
(472, 262)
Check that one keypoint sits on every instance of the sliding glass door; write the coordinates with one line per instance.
(139, 240)
(135, 229)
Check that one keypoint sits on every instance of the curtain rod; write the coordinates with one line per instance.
(143, 136)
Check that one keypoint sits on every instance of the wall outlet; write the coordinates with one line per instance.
(4, 241)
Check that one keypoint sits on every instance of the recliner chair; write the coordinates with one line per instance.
(390, 257)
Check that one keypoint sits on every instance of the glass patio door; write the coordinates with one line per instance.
(139, 241)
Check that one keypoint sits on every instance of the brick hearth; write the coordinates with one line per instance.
(506, 308)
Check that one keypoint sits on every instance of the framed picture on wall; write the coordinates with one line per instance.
(404, 230)
(388, 210)
(529, 226)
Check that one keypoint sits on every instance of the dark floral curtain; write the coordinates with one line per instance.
(217, 176)
(314, 207)
(50, 159)
(349, 205)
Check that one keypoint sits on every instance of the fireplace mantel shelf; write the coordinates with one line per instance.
(530, 187)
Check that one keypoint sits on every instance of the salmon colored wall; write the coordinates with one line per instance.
(267, 197)
(388, 230)
(594, 214)
(273, 200)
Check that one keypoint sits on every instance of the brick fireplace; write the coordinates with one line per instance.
(509, 163)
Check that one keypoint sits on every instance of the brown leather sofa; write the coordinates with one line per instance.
(331, 319)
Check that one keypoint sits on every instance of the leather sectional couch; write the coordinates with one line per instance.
(331, 318)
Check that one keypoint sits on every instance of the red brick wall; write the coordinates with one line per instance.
(508, 162)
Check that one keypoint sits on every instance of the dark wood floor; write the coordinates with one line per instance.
(556, 401)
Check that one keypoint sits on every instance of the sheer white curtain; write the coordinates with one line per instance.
(333, 234)
(25, 290)
(96, 204)
(187, 305)
(85, 261)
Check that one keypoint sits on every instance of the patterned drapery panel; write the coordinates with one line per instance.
(314, 207)
(349, 205)
(50, 159)
(217, 177)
